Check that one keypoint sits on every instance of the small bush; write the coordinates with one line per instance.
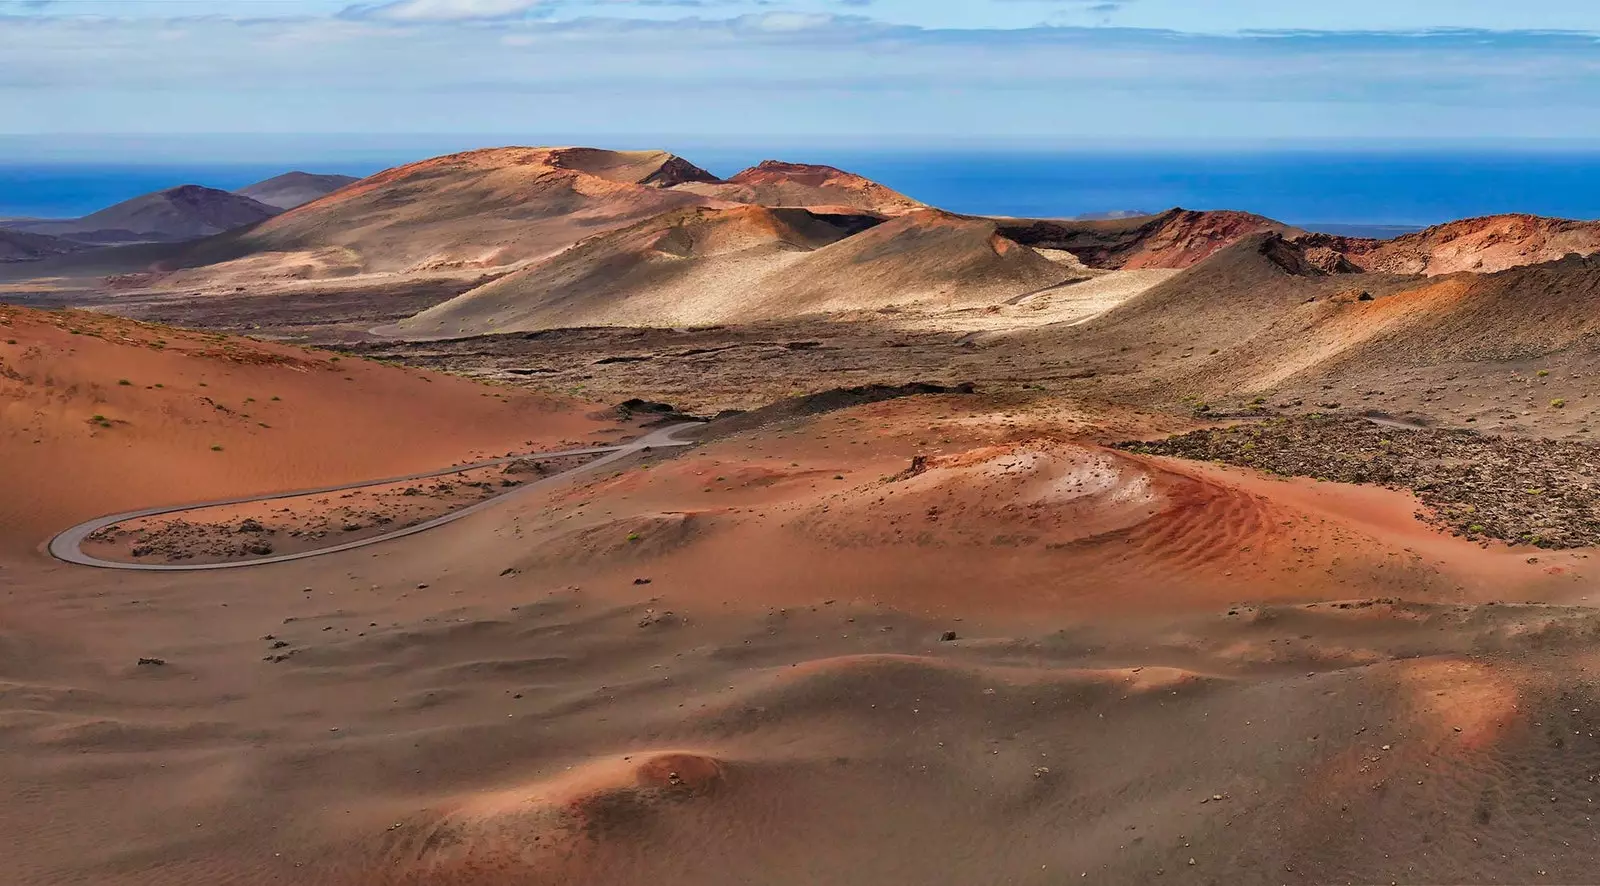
(1558, 403)
(1544, 373)
(216, 448)
(124, 382)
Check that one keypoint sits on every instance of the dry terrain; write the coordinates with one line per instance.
(291, 525)
(1184, 548)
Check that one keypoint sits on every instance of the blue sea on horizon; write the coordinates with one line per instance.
(1410, 189)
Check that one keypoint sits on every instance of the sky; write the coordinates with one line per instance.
(893, 73)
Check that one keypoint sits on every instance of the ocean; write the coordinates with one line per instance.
(1305, 188)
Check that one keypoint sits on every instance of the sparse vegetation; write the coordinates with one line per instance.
(216, 448)
(1544, 373)
(1517, 490)
(124, 382)
(1558, 403)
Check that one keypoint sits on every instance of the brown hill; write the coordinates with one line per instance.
(1165, 333)
(478, 209)
(20, 246)
(1479, 245)
(1177, 238)
(187, 212)
(747, 264)
(1181, 238)
(679, 267)
(1258, 323)
(776, 183)
(295, 188)
(1482, 332)
(104, 414)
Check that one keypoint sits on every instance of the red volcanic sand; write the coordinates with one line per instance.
(798, 656)
(103, 414)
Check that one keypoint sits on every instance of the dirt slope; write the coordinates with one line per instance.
(776, 183)
(1217, 303)
(102, 414)
(295, 188)
(1485, 338)
(478, 209)
(186, 212)
(750, 264)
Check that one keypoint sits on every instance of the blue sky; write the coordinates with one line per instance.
(1185, 73)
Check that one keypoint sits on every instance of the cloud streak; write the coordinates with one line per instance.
(781, 74)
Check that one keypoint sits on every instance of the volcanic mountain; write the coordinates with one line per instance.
(751, 263)
(295, 188)
(186, 212)
(1181, 238)
(1480, 245)
(479, 209)
(1266, 319)
(776, 183)
(1177, 238)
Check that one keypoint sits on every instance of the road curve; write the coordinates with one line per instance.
(67, 546)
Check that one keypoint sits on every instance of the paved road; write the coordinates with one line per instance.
(67, 546)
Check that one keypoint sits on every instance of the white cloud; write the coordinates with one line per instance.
(779, 22)
(758, 76)
(445, 10)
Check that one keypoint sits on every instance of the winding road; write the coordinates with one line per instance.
(68, 545)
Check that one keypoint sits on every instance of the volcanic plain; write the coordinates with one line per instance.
(1187, 548)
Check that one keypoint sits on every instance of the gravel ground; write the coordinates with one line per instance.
(1517, 490)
